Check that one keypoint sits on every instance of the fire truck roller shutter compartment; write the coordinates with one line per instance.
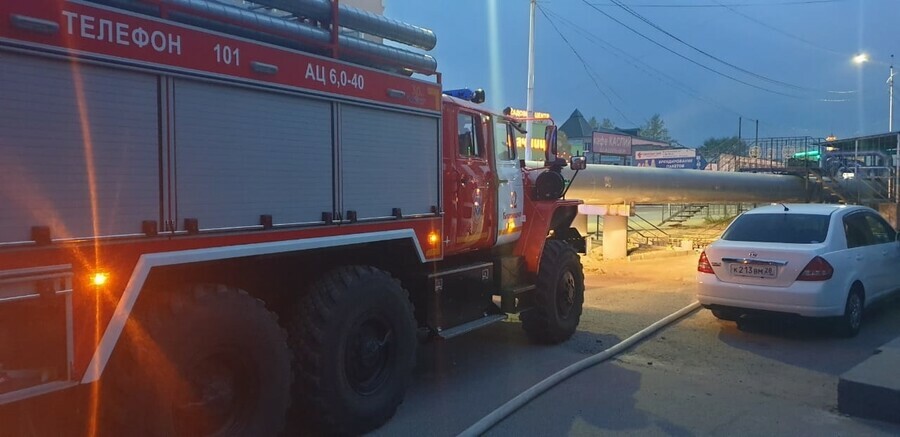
(242, 153)
(389, 159)
(59, 121)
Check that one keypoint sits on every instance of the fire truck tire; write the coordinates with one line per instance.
(211, 360)
(559, 296)
(354, 337)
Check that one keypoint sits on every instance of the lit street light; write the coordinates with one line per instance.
(863, 58)
(859, 59)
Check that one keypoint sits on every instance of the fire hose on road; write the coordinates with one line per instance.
(487, 422)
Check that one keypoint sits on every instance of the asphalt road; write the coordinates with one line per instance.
(698, 377)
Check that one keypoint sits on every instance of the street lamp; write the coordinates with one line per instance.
(859, 59)
(890, 82)
(863, 58)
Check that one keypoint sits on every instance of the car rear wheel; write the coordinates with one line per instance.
(848, 325)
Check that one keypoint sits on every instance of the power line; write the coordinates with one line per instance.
(705, 67)
(741, 5)
(707, 54)
(773, 28)
(584, 64)
(658, 74)
(641, 65)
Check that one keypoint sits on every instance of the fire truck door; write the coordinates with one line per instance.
(510, 184)
(469, 186)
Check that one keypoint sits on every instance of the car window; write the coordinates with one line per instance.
(880, 230)
(857, 230)
(779, 228)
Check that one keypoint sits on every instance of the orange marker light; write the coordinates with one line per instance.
(100, 278)
(434, 238)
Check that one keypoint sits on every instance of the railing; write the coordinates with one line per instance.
(647, 231)
(684, 213)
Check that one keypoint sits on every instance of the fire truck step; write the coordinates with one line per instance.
(508, 297)
(471, 326)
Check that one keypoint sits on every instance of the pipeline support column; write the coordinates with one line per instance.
(615, 227)
(615, 237)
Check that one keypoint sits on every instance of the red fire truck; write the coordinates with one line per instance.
(217, 217)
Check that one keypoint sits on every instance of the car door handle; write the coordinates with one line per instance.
(859, 257)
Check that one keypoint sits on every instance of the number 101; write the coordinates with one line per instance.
(227, 55)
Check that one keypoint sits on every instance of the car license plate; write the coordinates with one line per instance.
(754, 270)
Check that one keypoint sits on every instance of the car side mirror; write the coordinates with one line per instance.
(580, 163)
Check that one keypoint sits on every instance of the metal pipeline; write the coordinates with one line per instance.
(357, 19)
(263, 27)
(614, 184)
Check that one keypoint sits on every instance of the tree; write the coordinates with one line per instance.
(655, 129)
(593, 123)
(607, 124)
(563, 146)
(713, 147)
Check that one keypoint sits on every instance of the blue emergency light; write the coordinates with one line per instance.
(476, 96)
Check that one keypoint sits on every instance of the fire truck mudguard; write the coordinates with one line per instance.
(147, 262)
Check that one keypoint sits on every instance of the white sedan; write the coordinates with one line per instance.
(809, 260)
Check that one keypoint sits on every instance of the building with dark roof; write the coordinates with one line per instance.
(580, 134)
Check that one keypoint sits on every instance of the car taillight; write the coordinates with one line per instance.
(817, 270)
(703, 265)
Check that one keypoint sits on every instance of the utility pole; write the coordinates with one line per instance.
(890, 82)
(756, 141)
(529, 103)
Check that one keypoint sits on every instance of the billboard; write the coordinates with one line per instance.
(665, 154)
(521, 113)
(671, 158)
(611, 144)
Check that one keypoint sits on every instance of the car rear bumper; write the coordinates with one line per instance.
(807, 299)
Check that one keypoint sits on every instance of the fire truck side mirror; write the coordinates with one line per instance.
(578, 163)
(550, 141)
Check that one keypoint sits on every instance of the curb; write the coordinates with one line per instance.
(659, 254)
(871, 389)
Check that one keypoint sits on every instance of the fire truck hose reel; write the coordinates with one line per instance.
(493, 418)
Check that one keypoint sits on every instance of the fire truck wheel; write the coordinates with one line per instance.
(355, 341)
(559, 295)
(207, 361)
